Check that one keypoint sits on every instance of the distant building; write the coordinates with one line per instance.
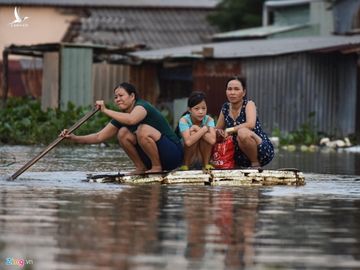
(297, 70)
(289, 79)
(113, 24)
(290, 18)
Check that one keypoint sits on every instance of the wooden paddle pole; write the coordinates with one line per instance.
(53, 144)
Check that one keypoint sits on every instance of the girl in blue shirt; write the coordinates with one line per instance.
(197, 131)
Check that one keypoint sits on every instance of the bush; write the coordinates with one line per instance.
(306, 134)
(23, 122)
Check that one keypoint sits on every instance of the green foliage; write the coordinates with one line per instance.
(237, 14)
(23, 122)
(306, 134)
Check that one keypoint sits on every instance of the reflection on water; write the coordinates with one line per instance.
(326, 161)
(95, 158)
(51, 218)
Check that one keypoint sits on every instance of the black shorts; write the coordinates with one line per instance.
(171, 154)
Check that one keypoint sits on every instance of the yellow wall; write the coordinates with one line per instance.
(45, 25)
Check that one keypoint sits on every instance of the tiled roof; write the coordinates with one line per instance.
(115, 3)
(155, 28)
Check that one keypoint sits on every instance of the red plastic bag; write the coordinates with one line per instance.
(222, 156)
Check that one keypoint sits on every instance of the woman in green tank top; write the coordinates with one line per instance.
(142, 132)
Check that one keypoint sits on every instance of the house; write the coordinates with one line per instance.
(297, 70)
(296, 18)
(289, 78)
(69, 71)
(113, 24)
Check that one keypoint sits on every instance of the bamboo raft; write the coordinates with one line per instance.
(246, 177)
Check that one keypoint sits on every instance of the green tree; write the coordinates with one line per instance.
(237, 14)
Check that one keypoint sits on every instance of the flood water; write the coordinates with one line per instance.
(51, 219)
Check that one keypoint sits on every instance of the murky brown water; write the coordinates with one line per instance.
(50, 219)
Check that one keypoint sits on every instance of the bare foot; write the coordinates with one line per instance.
(255, 164)
(155, 169)
(138, 171)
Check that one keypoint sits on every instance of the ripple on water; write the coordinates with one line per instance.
(52, 217)
(322, 186)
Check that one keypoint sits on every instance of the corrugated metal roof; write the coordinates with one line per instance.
(156, 28)
(257, 32)
(116, 3)
(242, 49)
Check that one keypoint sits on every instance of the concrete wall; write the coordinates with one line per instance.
(44, 25)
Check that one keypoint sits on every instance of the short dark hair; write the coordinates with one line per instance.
(129, 88)
(195, 98)
(241, 79)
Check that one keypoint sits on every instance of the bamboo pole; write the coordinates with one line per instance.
(53, 144)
